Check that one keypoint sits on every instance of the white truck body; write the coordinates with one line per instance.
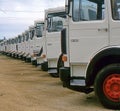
(20, 45)
(31, 41)
(23, 45)
(3, 46)
(92, 44)
(16, 47)
(8, 46)
(13, 48)
(37, 42)
(26, 45)
(54, 21)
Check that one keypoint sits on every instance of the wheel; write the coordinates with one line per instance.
(60, 63)
(107, 86)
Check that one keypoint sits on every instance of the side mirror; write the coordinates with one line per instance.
(67, 6)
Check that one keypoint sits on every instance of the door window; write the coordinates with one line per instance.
(39, 29)
(88, 10)
(55, 21)
(115, 9)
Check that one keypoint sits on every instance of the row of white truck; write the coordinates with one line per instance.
(79, 43)
(40, 44)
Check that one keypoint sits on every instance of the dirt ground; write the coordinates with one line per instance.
(24, 87)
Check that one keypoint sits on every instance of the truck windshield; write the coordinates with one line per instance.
(55, 21)
(115, 9)
(39, 29)
(88, 10)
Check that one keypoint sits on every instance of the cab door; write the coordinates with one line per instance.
(53, 33)
(88, 29)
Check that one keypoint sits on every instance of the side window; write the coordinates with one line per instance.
(76, 11)
(115, 9)
(39, 30)
(88, 10)
(49, 24)
(57, 24)
(55, 21)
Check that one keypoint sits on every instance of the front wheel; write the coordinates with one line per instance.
(107, 86)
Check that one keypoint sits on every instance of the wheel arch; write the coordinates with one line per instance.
(59, 59)
(103, 58)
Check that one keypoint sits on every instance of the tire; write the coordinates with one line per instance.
(107, 86)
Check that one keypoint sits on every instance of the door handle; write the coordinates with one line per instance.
(49, 44)
(103, 29)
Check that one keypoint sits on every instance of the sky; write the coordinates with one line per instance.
(17, 15)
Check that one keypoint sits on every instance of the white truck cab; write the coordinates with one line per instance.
(37, 42)
(31, 41)
(54, 22)
(1, 47)
(8, 47)
(27, 46)
(20, 53)
(13, 47)
(91, 49)
(23, 45)
(5, 46)
(16, 47)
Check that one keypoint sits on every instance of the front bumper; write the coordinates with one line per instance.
(66, 79)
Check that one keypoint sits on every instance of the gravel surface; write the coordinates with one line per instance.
(24, 87)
